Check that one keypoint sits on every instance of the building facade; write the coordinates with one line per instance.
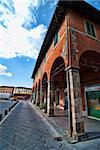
(67, 71)
(6, 89)
(22, 90)
(22, 93)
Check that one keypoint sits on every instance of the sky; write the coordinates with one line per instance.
(23, 25)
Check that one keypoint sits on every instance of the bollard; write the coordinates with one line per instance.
(6, 112)
(0, 117)
(9, 108)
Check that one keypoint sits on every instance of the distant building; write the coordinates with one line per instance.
(22, 93)
(22, 90)
(6, 89)
(15, 92)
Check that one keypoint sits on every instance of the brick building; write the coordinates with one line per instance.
(6, 89)
(67, 70)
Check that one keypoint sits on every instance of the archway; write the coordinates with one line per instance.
(44, 91)
(90, 82)
(58, 86)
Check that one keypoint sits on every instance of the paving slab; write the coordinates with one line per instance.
(60, 123)
(25, 129)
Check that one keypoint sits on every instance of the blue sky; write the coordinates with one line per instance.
(23, 25)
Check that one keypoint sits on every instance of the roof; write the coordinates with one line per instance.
(23, 88)
(15, 87)
(6, 87)
(62, 7)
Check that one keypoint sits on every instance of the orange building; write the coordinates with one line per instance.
(6, 89)
(67, 71)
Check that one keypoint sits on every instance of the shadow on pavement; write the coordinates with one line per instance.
(89, 136)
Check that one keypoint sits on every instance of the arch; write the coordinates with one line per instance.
(89, 63)
(45, 76)
(58, 85)
(83, 52)
(59, 61)
(52, 62)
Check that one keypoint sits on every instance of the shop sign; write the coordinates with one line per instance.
(92, 88)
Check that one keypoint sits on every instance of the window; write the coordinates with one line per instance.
(45, 59)
(56, 39)
(90, 29)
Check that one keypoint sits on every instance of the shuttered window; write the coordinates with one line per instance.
(56, 39)
(90, 29)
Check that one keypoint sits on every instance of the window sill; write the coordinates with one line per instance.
(92, 37)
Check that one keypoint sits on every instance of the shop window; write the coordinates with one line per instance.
(93, 103)
(90, 29)
(56, 39)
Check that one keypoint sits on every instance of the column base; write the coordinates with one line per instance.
(78, 138)
(50, 113)
(78, 135)
(38, 104)
(80, 127)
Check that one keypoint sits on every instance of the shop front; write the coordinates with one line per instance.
(93, 101)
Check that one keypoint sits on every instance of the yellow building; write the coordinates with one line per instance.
(22, 93)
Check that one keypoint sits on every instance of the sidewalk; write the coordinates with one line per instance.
(6, 107)
(92, 128)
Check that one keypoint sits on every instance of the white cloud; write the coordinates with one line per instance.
(4, 72)
(15, 40)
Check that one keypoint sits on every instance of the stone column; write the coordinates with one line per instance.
(50, 100)
(76, 112)
(41, 93)
(38, 104)
(37, 96)
(33, 97)
(69, 106)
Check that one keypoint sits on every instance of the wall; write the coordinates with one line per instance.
(52, 54)
(84, 42)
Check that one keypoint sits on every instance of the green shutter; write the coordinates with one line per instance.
(56, 39)
(90, 29)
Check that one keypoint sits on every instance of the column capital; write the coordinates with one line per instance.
(49, 81)
(72, 67)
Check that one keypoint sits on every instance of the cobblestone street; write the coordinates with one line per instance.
(24, 130)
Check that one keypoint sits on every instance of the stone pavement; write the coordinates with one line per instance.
(6, 106)
(24, 129)
(92, 128)
(27, 129)
(61, 119)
